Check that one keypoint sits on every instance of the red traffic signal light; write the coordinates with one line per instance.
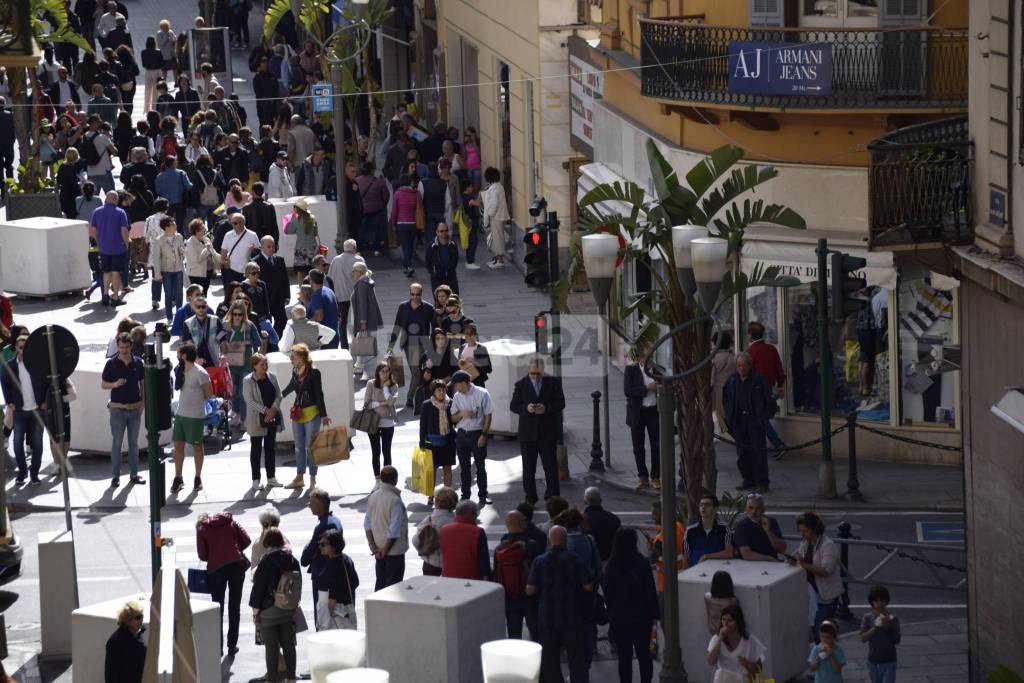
(537, 258)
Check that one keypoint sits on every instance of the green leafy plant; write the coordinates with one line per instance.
(1003, 674)
(714, 195)
(26, 182)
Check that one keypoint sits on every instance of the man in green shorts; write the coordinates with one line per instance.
(195, 387)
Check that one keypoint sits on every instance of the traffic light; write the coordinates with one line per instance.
(538, 262)
(540, 333)
(844, 286)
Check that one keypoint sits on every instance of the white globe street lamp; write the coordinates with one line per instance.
(710, 261)
(600, 254)
(682, 237)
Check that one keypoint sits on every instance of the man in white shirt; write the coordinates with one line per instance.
(280, 182)
(108, 22)
(26, 395)
(471, 413)
(237, 249)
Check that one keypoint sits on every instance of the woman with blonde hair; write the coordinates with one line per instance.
(241, 342)
(308, 412)
(126, 650)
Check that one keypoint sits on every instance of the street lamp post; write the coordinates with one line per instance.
(600, 252)
(701, 265)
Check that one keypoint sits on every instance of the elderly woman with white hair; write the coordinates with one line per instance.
(302, 330)
(366, 316)
(340, 273)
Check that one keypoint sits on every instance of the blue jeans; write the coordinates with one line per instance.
(474, 237)
(122, 420)
(826, 611)
(407, 238)
(469, 452)
(28, 423)
(97, 282)
(371, 231)
(154, 285)
(304, 433)
(882, 672)
(172, 292)
(237, 404)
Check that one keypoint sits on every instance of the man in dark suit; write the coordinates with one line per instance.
(274, 272)
(6, 143)
(260, 216)
(749, 404)
(642, 415)
(234, 163)
(27, 394)
(538, 401)
(64, 89)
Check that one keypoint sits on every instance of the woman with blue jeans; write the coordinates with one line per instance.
(405, 204)
(242, 341)
(308, 413)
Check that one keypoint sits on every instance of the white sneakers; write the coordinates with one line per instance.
(272, 483)
(496, 264)
(472, 266)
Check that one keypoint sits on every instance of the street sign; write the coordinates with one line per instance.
(37, 355)
(780, 68)
(323, 98)
(940, 532)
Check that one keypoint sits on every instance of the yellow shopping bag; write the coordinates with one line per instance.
(464, 228)
(423, 471)
(851, 366)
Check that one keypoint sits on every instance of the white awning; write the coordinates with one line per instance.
(799, 260)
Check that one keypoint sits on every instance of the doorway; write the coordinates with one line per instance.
(505, 132)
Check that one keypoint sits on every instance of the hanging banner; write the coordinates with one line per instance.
(780, 68)
(586, 86)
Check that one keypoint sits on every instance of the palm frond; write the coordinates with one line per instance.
(739, 182)
(708, 171)
(273, 16)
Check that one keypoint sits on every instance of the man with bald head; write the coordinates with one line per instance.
(109, 224)
(275, 274)
(512, 560)
(559, 579)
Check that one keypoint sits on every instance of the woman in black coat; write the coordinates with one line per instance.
(437, 433)
(337, 583)
(126, 650)
(632, 600)
(69, 185)
(438, 360)
(275, 625)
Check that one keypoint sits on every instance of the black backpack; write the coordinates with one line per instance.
(88, 149)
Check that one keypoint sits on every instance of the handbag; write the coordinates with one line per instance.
(423, 471)
(363, 344)
(397, 369)
(341, 617)
(272, 423)
(235, 354)
(198, 581)
(365, 420)
(286, 222)
(421, 219)
(329, 446)
(470, 370)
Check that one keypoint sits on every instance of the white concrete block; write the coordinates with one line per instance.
(326, 220)
(43, 256)
(58, 591)
(510, 361)
(773, 596)
(90, 419)
(92, 625)
(439, 624)
(335, 366)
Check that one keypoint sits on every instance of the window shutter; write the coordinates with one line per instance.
(766, 13)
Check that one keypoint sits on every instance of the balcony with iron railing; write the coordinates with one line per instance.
(916, 69)
(919, 185)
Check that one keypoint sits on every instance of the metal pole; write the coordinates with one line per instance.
(341, 204)
(156, 479)
(595, 448)
(844, 560)
(58, 402)
(561, 453)
(852, 482)
(826, 469)
(605, 352)
(672, 669)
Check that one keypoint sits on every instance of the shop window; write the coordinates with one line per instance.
(925, 320)
(762, 307)
(860, 356)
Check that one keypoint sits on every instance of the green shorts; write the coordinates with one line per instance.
(187, 429)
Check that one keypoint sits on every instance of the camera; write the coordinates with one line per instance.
(161, 333)
(537, 205)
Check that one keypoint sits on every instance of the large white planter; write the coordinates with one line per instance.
(335, 367)
(510, 361)
(773, 596)
(93, 624)
(430, 629)
(43, 256)
(326, 220)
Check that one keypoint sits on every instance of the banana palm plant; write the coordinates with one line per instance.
(713, 196)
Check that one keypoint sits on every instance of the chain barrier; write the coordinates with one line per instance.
(913, 558)
(907, 439)
(784, 449)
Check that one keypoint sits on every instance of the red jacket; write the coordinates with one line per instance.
(461, 543)
(403, 205)
(220, 541)
(767, 363)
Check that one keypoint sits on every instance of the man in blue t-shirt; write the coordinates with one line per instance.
(323, 306)
(110, 225)
(123, 378)
(757, 536)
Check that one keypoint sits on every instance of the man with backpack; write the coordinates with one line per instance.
(173, 185)
(512, 560)
(209, 130)
(96, 148)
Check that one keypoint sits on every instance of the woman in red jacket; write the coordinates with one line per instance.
(220, 542)
(404, 205)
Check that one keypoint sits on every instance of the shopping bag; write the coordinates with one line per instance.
(363, 345)
(851, 365)
(329, 446)
(397, 370)
(470, 370)
(286, 222)
(464, 228)
(423, 471)
(198, 581)
(342, 616)
(365, 420)
(421, 219)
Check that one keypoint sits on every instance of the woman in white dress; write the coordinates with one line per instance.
(494, 216)
(736, 655)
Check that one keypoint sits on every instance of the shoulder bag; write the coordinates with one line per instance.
(365, 420)
(363, 344)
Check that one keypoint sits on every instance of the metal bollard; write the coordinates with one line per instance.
(853, 483)
(845, 530)
(595, 449)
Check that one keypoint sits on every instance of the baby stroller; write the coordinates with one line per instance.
(218, 407)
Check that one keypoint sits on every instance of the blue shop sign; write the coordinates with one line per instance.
(780, 68)
(323, 98)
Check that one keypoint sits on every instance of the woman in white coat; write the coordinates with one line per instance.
(263, 419)
(494, 216)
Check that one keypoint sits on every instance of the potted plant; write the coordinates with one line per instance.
(31, 194)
